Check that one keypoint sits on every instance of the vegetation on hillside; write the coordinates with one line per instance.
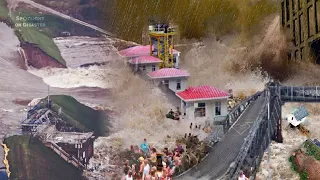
(303, 174)
(33, 160)
(85, 10)
(309, 149)
(79, 115)
(312, 150)
(3, 9)
(31, 34)
(195, 18)
(42, 36)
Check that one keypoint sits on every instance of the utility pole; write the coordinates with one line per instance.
(269, 139)
(48, 96)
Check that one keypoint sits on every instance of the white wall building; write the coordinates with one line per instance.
(298, 116)
(145, 63)
(203, 101)
(174, 79)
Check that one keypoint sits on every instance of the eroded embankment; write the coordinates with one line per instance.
(31, 53)
(37, 58)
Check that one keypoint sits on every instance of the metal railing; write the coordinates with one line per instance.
(64, 155)
(253, 136)
(240, 108)
(162, 30)
(266, 127)
(262, 132)
(223, 125)
(299, 94)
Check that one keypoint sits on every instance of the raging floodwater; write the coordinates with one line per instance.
(139, 105)
(280, 168)
(19, 85)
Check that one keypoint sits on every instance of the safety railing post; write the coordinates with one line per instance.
(316, 93)
(291, 93)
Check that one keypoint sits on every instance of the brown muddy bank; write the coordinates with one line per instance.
(31, 55)
(37, 58)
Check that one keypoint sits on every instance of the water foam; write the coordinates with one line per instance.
(93, 76)
(292, 139)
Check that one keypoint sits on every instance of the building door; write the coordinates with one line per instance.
(217, 109)
(184, 107)
(166, 83)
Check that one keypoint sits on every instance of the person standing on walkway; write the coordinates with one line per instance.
(144, 147)
(242, 176)
(142, 164)
(146, 169)
(129, 176)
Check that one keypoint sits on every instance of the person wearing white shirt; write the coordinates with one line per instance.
(242, 176)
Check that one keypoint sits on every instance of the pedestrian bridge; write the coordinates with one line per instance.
(249, 129)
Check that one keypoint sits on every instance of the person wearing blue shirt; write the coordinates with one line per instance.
(144, 146)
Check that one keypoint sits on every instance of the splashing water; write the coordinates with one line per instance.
(140, 103)
(292, 139)
(93, 76)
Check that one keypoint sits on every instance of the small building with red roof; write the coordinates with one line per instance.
(174, 79)
(203, 101)
(137, 51)
(145, 63)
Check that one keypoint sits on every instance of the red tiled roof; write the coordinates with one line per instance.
(145, 60)
(168, 73)
(138, 51)
(202, 93)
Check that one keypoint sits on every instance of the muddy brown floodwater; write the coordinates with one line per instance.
(18, 85)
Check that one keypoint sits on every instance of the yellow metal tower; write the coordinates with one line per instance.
(161, 38)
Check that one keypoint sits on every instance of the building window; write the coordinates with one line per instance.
(218, 108)
(310, 22)
(283, 13)
(289, 57)
(296, 55)
(316, 16)
(178, 84)
(300, 4)
(293, 7)
(301, 31)
(287, 10)
(302, 53)
(295, 26)
(153, 67)
(144, 67)
(200, 109)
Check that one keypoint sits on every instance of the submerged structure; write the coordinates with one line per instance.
(49, 126)
(298, 116)
(302, 20)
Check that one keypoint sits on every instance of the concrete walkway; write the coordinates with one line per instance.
(224, 153)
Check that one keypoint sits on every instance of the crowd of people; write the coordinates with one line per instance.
(174, 115)
(152, 164)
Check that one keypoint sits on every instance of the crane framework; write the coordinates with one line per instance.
(161, 39)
